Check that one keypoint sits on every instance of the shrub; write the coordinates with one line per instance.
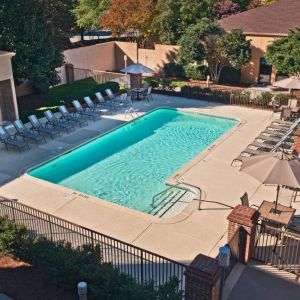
(265, 98)
(66, 266)
(282, 99)
(174, 70)
(195, 72)
(230, 75)
(154, 82)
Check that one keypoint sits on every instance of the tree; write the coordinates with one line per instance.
(206, 41)
(166, 19)
(37, 32)
(191, 43)
(125, 17)
(284, 53)
(226, 8)
(193, 11)
(88, 13)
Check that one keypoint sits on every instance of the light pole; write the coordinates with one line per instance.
(125, 60)
(224, 262)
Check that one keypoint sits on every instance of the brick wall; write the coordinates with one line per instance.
(296, 145)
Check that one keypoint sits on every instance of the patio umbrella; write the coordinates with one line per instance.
(137, 69)
(277, 168)
(291, 83)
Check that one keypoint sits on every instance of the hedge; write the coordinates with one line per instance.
(66, 266)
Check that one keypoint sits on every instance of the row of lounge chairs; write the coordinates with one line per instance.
(54, 125)
(277, 135)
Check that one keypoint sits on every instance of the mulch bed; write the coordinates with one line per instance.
(21, 281)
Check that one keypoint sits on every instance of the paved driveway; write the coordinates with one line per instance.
(260, 282)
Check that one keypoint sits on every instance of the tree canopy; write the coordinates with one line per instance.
(284, 53)
(205, 41)
(88, 13)
(37, 32)
(128, 16)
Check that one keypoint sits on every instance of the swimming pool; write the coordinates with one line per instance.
(130, 164)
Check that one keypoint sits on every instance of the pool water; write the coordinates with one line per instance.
(130, 164)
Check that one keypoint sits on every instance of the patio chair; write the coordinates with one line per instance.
(286, 113)
(37, 126)
(57, 123)
(292, 103)
(7, 140)
(22, 131)
(92, 106)
(245, 200)
(111, 104)
(66, 115)
(81, 111)
(149, 94)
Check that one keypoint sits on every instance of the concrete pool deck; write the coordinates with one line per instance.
(180, 238)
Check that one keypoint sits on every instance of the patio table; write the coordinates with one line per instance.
(282, 218)
(136, 93)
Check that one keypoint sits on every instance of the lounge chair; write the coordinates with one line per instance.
(111, 104)
(283, 123)
(269, 138)
(26, 134)
(249, 152)
(274, 132)
(67, 116)
(38, 127)
(57, 123)
(262, 145)
(7, 140)
(123, 98)
(92, 106)
(81, 111)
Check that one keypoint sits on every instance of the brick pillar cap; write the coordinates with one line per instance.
(243, 215)
(297, 132)
(204, 267)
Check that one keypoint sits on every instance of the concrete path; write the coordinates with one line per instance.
(261, 282)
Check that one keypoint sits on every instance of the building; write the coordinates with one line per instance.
(262, 26)
(8, 100)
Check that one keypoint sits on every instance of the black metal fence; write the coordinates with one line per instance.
(278, 248)
(140, 264)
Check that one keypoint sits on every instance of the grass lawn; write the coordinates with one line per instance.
(63, 94)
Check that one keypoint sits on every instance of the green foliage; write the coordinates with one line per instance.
(37, 32)
(191, 43)
(165, 22)
(230, 75)
(284, 53)
(65, 94)
(88, 12)
(153, 81)
(235, 47)
(265, 98)
(282, 99)
(173, 70)
(11, 236)
(195, 72)
(64, 265)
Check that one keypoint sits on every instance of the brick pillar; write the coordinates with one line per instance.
(135, 80)
(296, 145)
(243, 218)
(203, 279)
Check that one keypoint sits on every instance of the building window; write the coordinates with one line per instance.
(265, 71)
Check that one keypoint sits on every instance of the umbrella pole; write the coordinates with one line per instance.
(277, 196)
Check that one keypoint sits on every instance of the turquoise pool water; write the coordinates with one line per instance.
(130, 164)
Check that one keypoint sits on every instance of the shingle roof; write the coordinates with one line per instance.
(274, 19)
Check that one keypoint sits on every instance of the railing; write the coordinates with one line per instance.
(279, 248)
(100, 76)
(138, 263)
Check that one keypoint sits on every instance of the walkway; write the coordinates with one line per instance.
(261, 282)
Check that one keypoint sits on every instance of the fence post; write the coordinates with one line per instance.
(50, 228)
(69, 70)
(12, 210)
(142, 266)
(203, 279)
(244, 219)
